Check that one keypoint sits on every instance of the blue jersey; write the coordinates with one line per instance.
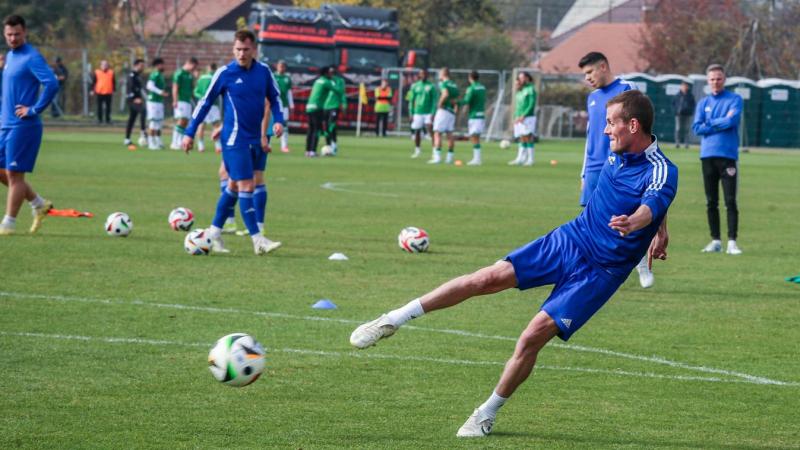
(243, 91)
(25, 72)
(597, 143)
(626, 181)
(716, 121)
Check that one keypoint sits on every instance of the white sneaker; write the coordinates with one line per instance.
(7, 230)
(528, 163)
(474, 162)
(217, 246)
(733, 249)
(369, 333)
(174, 147)
(142, 141)
(435, 160)
(515, 162)
(646, 278)
(126, 142)
(478, 425)
(262, 245)
(416, 154)
(715, 246)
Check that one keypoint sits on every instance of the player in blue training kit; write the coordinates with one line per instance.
(586, 259)
(597, 72)
(244, 84)
(24, 74)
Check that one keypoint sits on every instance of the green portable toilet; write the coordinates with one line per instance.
(700, 89)
(668, 87)
(780, 113)
(751, 116)
(643, 82)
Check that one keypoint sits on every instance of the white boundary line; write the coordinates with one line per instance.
(332, 354)
(651, 359)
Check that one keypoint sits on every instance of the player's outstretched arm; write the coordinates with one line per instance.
(626, 225)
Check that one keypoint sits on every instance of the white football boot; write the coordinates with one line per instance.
(478, 425)
(715, 246)
(646, 278)
(416, 153)
(217, 246)
(262, 245)
(733, 249)
(370, 333)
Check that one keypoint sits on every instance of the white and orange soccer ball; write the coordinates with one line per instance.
(181, 219)
(413, 240)
(118, 224)
(236, 360)
(197, 243)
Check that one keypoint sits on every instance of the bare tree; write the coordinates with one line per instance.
(167, 14)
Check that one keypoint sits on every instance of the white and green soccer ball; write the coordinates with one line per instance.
(181, 219)
(505, 143)
(236, 360)
(119, 224)
(326, 150)
(197, 243)
(413, 240)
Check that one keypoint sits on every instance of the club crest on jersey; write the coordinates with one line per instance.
(612, 159)
(731, 171)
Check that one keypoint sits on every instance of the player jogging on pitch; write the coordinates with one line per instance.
(586, 259)
(24, 73)
(597, 72)
(421, 102)
(444, 121)
(244, 83)
(524, 119)
(475, 100)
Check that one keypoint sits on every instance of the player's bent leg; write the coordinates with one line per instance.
(488, 280)
(541, 329)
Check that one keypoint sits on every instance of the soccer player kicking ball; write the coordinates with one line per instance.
(245, 83)
(586, 259)
(21, 134)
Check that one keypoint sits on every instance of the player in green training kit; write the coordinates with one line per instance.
(336, 100)
(156, 91)
(475, 100)
(213, 118)
(285, 87)
(421, 103)
(182, 91)
(444, 122)
(524, 119)
(314, 109)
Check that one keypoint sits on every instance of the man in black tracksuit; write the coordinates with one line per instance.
(135, 102)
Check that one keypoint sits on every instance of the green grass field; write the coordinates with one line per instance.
(104, 340)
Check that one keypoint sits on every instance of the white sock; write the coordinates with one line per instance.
(411, 310)
(476, 154)
(230, 220)
(214, 232)
(437, 154)
(9, 221)
(150, 141)
(492, 405)
(260, 227)
(256, 236)
(285, 139)
(520, 153)
(642, 264)
(530, 154)
(417, 150)
(38, 202)
(159, 142)
(217, 145)
(176, 136)
(201, 145)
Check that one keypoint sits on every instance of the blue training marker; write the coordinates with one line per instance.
(324, 304)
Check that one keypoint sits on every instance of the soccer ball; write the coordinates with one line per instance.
(413, 240)
(119, 224)
(197, 242)
(505, 143)
(327, 150)
(236, 360)
(181, 219)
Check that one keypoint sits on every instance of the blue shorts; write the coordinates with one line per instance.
(581, 288)
(240, 161)
(590, 179)
(19, 147)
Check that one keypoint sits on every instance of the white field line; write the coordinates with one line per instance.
(337, 187)
(332, 354)
(651, 359)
